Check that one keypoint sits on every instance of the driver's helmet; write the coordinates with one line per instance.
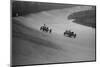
(72, 32)
(68, 31)
(44, 24)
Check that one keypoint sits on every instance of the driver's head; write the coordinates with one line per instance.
(44, 25)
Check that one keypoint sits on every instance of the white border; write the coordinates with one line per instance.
(5, 33)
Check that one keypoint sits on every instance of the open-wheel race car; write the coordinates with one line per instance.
(46, 29)
(70, 34)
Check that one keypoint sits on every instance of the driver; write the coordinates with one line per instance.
(44, 26)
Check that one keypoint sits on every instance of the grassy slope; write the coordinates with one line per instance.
(87, 18)
(24, 8)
